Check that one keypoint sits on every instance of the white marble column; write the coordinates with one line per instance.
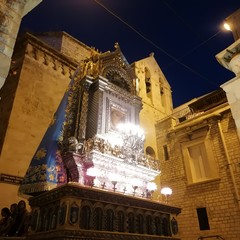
(11, 14)
(230, 59)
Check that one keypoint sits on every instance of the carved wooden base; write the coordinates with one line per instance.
(76, 212)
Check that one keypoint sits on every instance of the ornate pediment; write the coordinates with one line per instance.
(117, 70)
(111, 65)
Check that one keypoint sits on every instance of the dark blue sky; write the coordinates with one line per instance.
(185, 35)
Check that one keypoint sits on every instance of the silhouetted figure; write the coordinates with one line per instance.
(22, 219)
(5, 222)
(14, 215)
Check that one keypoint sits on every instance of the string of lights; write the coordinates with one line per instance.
(159, 48)
(193, 49)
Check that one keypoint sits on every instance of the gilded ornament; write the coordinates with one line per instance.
(41, 153)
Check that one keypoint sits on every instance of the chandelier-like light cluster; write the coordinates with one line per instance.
(116, 181)
(133, 140)
(121, 166)
(130, 129)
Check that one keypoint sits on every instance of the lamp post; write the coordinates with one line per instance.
(151, 187)
(91, 175)
(166, 191)
(135, 184)
(114, 178)
(227, 26)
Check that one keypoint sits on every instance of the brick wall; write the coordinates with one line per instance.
(39, 84)
(218, 196)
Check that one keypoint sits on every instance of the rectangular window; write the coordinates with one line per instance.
(165, 151)
(199, 162)
(203, 219)
(200, 165)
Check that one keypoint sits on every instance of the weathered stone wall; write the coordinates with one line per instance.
(153, 107)
(41, 80)
(217, 196)
(67, 45)
(232, 90)
(230, 59)
(11, 13)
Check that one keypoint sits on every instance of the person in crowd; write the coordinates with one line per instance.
(22, 219)
(5, 222)
(14, 214)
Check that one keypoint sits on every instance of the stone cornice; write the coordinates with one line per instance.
(43, 46)
(228, 57)
(95, 194)
(46, 55)
(200, 120)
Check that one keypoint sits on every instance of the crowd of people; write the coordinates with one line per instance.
(14, 220)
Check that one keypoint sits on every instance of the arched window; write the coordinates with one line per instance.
(163, 95)
(34, 220)
(158, 226)
(150, 152)
(166, 226)
(148, 81)
(85, 217)
(97, 218)
(48, 219)
(140, 224)
(42, 218)
(53, 221)
(149, 224)
(131, 223)
(109, 223)
(121, 221)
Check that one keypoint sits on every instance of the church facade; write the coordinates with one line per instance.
(196, 144)
(103, 92)
(40, 73)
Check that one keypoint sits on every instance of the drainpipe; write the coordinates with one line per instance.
(229, 162)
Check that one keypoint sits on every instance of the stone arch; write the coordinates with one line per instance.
(150, 152)
(148, 81)
(49, 214)
(53, 220)
(109, 218)
(158, 224)
(166, 224)
(35, 219)
(140, 222)
(98, 209)
(121, 219)
(119, 77)
(131, 222)
(86, 215)
(149, 222)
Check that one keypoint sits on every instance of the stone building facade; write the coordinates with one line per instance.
(156, 95)
(41, 70)
(199, 157)
(155, 91)
(39, 75)
(11, 14)
(230, 59)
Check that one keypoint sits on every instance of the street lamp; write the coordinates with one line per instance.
(151, 187)
(91, 175)
(227, 26)
(114, 178)
(166, 191)
(135, 184)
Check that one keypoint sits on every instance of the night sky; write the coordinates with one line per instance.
(185, 35)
